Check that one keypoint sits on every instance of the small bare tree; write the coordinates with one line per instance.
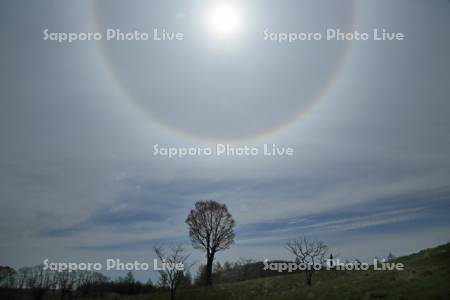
(173, 266)
(309, 253)
(211, 229)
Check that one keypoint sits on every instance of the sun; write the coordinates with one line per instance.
(224, 20)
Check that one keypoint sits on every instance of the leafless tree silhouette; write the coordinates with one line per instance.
(211, 229)
(171, 275)
(309, 253)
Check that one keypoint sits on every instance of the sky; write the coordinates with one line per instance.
(78, 122)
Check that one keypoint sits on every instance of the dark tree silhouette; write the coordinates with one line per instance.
(211, 229)
(171, 276)
(39, 281)
(7, 276)
(308, 253)
(66, 282)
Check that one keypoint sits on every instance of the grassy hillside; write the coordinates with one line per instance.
(426, 276)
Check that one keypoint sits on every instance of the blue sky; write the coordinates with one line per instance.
(78, 181)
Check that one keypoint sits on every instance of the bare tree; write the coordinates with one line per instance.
(66, 283)
(91, 281)
(39, 281)
(7, 277)
(309, 253)
(22, 277)
(211, 229)
(174, 267)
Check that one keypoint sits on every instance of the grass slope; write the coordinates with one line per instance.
(426, 276)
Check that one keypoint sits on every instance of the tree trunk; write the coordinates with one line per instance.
(209, 266)
(309, 278)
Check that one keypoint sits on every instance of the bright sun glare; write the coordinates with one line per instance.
(224, 19)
